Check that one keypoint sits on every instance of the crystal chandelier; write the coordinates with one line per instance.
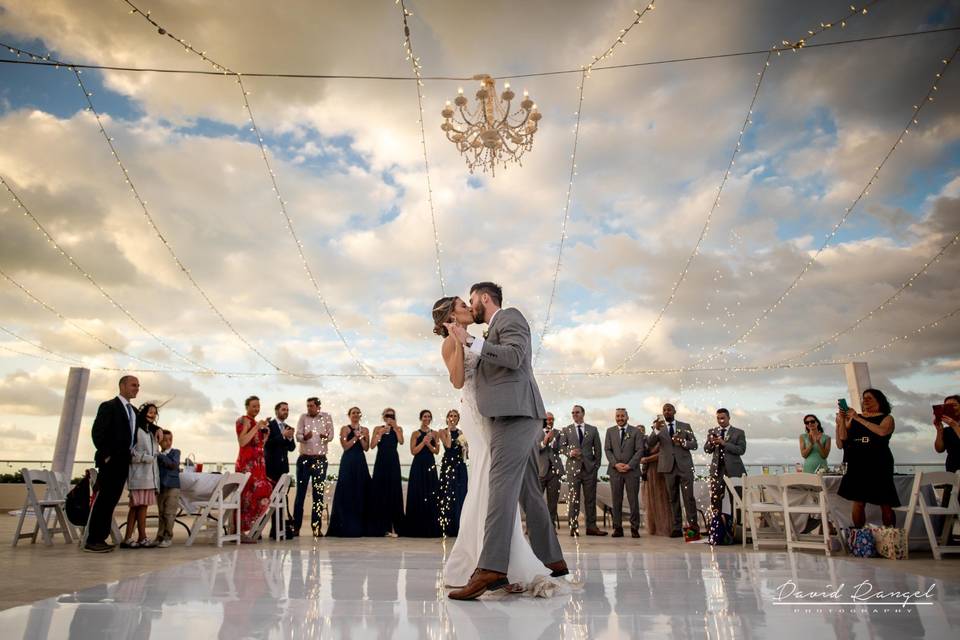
(491, 134)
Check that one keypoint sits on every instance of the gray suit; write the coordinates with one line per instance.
(676, 468)
(582, 472)
(725, 462)
(628, 452)
(509, 400)
(550, 470)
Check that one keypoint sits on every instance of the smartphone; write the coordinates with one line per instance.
(842, 403)
(938, 411)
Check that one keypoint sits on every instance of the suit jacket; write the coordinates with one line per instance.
(275, 450)
(672, 455)
(111, 433)
(549, 464)
(505, 382)
(734, 446)
(592, 452)
(630, 452)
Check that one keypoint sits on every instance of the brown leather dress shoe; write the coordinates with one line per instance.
(558, 568)
(596, 532)
(634, 533)
(617, 533)
(480, 582)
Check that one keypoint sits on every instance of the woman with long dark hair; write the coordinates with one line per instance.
(814, 445)
(350, 513)
(423, 489)
(386, 489)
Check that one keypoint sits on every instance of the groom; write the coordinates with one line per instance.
(509, 400)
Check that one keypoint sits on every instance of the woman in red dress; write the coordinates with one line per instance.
(251, 434)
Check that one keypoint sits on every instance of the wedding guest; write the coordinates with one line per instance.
(453, 474)
(114, 435)
(423, 506)
(675, 464)
(865, 438)
(726, 443)
(814, 445)
(280, 441)
(255, 497)
(386, 492)
(549, 466)
(314, 431)
(624, 448)
(948, 432)
(580, 442)
(143, 480)
(656, 502)
(168, 461)
(350, 513)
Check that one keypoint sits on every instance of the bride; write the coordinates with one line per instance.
(524, 567)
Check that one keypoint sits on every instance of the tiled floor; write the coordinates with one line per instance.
(385, 589)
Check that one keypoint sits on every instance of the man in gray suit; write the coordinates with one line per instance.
(580, 442)
(549, 466)
(509, 401)
(675, 465)
(624, 446)
(727, 443)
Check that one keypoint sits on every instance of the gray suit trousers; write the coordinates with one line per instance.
(513, 479)
(630, 482)
(680, 487)
(550, 485)
(586, 483)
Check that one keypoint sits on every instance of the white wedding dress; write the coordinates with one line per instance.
(524, 567)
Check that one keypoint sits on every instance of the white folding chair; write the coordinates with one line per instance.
(736, 502)
(918, 503)
(277, 509)
(223, 504)
(52, 501)
(815, 503)
(761, 497)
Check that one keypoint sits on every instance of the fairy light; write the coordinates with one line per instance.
(914, 119)
(883, 305)
(585, 73)
(61, 358)
(111, 348)
(777, 49)
(73, 263)
(417, 71)
(275, 186)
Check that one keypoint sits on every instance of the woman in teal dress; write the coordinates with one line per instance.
(814, 445)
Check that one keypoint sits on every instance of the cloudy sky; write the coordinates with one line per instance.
(653, 147)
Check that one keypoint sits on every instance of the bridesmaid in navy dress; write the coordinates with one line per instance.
(350, 499)
(386, 494)
(423, 490)
(453, 474)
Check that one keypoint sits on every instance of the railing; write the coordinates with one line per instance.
(773, 468)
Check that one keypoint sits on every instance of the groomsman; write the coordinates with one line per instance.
(280, 442)
(549, 466)
(727, 443)
(624, 446)
(580, 442)
(675, 466)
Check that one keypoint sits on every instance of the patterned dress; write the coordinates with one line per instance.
(256, 494)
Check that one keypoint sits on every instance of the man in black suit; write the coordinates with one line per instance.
(279, 443)
(114, 434)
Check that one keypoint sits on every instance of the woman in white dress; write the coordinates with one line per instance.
(524, 567)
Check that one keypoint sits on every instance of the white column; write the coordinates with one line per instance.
(69, 431)
(858, 379)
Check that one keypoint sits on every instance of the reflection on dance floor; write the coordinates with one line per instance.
(329, 593)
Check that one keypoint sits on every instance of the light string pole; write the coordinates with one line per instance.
(585, 72)
(848, 211)
(775, 50)
(417, 72)
(89, 278)
(285, 214)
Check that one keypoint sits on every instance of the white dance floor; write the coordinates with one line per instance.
(337, 591)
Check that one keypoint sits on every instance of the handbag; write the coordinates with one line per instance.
(891, 542)
(861, 542)
(77, 502)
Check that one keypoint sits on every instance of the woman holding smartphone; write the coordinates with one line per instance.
(948, 432)
(386, 499)
(865, 439)
(255, 497)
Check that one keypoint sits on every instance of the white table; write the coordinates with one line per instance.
(196, 487)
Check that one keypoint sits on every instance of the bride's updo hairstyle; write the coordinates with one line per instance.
(442, 310)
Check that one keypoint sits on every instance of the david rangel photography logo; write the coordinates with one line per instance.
(863, 595)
